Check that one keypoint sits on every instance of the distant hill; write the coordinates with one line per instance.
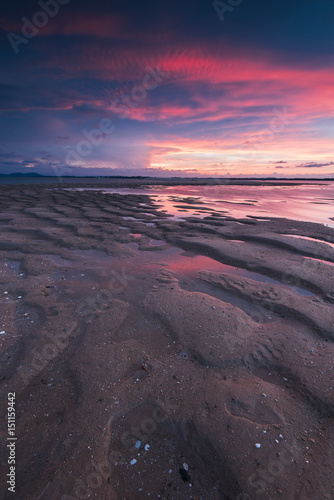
(19, 174)
(35, 174)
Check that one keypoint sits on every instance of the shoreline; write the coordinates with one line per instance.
(128, 181)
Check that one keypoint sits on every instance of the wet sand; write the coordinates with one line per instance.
(158, 358)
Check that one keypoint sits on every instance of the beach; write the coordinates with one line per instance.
(153, 355)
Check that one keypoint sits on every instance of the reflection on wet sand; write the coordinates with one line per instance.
(293, 202)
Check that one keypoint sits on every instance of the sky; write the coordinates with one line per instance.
(183, 88)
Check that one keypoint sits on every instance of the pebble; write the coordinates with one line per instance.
(257, 445)
(138, 444)
(185, 466)
(3, 332)
(134, 461)
(147, 447)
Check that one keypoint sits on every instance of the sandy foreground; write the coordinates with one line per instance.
(168, 359)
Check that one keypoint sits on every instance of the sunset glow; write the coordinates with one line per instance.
(186, 93)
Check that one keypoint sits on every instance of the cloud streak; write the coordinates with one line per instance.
(315, 165)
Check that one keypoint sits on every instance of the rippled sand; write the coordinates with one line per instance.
(160, 358)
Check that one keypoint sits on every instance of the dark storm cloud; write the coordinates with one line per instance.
(315, 165)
